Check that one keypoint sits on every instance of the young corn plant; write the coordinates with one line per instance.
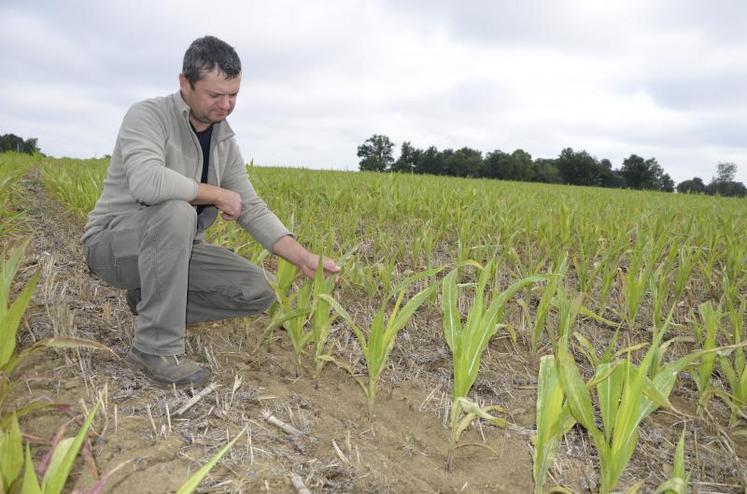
(196, 478)
(622, 406)
(554, 419)
(300, 336)
(321, 316)
(377, 343)
(11, 314)
(687, 258)
(679, 481)
(287, 306)
(734, 368)
(706, 333)
(467, 343)
(61, 463)
(626, 393)
(634, 284)
(545, 303)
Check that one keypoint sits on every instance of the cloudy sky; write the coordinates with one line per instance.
(664, 79)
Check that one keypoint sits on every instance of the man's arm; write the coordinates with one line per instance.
(141, 143)
(227, 201)
(290, 250)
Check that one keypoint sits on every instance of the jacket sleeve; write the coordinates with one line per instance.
(142, 141)
(256, 217)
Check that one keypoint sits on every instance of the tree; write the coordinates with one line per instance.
(723, 183)
(375, 153)
(497, 164)
(11, 142)
(545, 170)
(430, 161)
(408, 158)
(725, 172)
(694, 186)
(666, 183)
(727, 189)
(642, 174)
(580, 168)
(521, 166)
(464, 162)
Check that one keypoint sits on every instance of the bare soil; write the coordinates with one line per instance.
(402, 450)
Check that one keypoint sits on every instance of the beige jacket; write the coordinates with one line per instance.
(157, 158)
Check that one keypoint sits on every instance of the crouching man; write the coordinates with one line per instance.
(174, 168)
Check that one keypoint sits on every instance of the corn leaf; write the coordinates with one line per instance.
(54, 342)
(609, 392)
(11, 453)
(194, 480)
(10, 321)
(550, 400)
(63, 458)
(451, 320)
(30, 482)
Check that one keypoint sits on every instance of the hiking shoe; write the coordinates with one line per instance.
(168, 370)
(133, 298)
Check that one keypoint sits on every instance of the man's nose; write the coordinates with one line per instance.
(225, 103)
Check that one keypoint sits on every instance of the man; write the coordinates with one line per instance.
(175, 166)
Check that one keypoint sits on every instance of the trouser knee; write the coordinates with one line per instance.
(265, 298)
(174, 217)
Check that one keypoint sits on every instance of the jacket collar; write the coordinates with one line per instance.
(221, 130)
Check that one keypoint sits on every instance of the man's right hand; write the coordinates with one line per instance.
(227, 201)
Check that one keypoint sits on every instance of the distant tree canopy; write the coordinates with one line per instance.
(722, 184)
(11, 142)
(694, 186)
(570, 167)
(376, 154)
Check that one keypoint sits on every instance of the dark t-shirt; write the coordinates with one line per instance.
(204, 138)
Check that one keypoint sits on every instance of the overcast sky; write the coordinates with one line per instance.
(663, 79)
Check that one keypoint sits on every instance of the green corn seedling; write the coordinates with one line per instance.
(543, 308)
(468, 342)
(627, 394)
(378, 343)
(11, 315)
(61, 463)
(734, 368)
(706, 333)
(687, 257)
(194, 480)
(321, 318)
(679, 481)
(287, 306)
(300, 302)
(634, 284)
(554, 419)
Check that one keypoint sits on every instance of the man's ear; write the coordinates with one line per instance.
(184, 84)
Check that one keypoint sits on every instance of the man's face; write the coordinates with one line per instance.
(212, 99)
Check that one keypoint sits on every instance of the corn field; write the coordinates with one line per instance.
(620, 301)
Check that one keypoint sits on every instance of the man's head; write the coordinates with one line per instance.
(208, 54)
(210, 80)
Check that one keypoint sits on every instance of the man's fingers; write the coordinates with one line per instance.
(330, 266)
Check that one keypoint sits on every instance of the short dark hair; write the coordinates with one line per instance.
(205, 55)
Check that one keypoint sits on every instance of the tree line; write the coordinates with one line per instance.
(570, 167)
(11, 142)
